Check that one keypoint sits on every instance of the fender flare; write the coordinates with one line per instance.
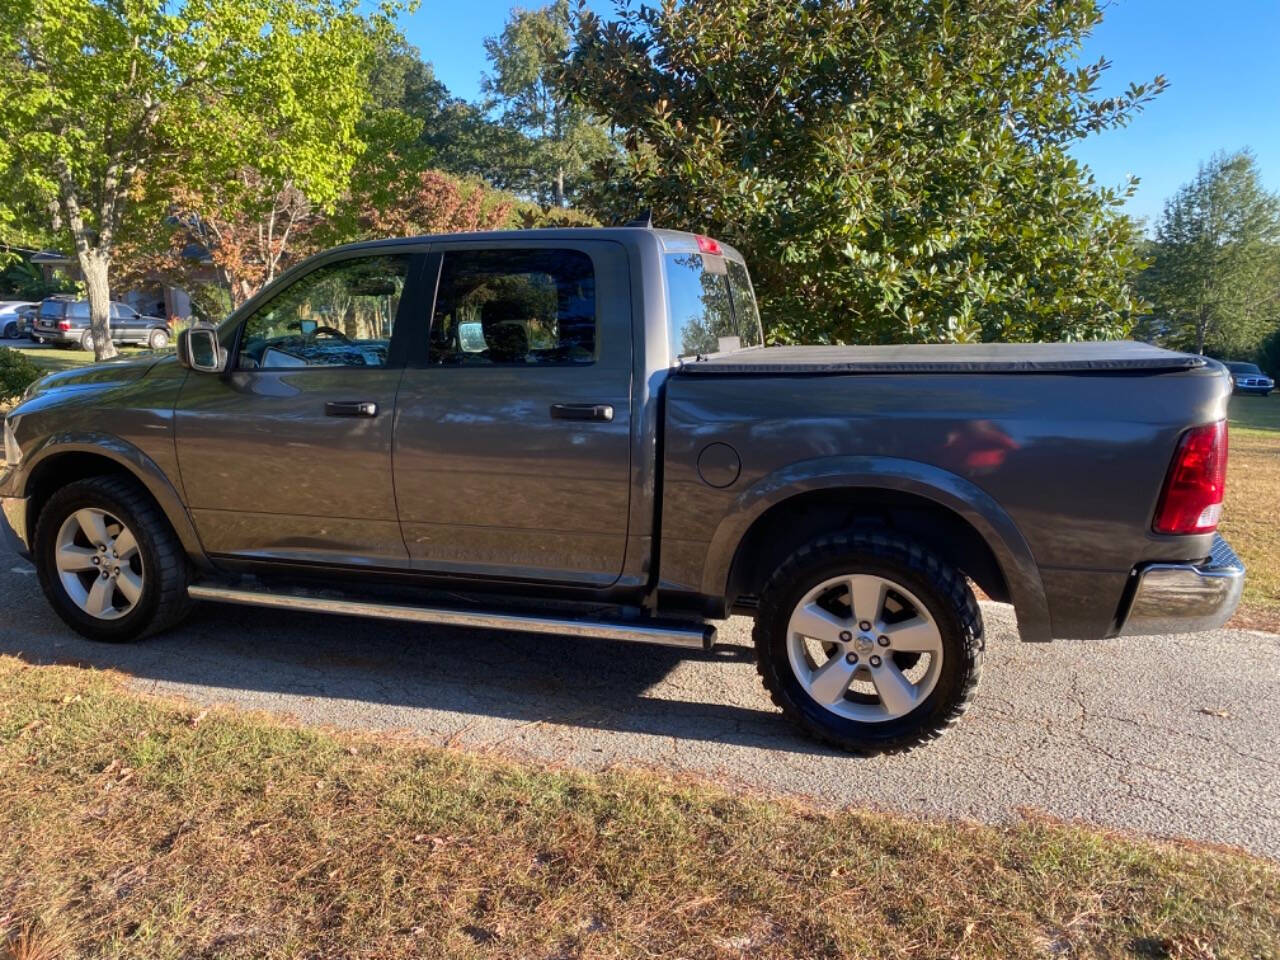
(962, 497)
(140, 466)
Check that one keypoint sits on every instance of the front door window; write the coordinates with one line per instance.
(340, 315)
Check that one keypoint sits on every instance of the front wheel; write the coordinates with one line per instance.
(869, 642)
(11, 330)
(157, 339)
(108, 561)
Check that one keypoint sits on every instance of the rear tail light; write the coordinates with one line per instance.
(1192, 498)
(64, 324)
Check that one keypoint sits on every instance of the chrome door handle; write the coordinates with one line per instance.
(350, 408)
(582, 411)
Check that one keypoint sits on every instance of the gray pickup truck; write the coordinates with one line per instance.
(580, 432)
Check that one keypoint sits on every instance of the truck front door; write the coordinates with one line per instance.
(288, 455)
(513, 429)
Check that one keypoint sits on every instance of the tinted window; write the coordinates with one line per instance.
(515, 306)
(712, 306)
(122, 311)
(78, 310)
(1243, 368)
(51, 308)
(338, 316)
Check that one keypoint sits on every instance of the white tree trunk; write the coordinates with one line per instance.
(93, 266)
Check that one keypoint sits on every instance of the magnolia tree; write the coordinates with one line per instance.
(895, 170)
(111, 110)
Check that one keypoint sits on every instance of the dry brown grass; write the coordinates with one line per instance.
(141, 828)
(1251, 517)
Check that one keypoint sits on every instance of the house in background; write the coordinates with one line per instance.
(153, 297)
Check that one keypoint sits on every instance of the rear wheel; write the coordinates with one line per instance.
(86, 341)
(869, 642)
(108, 561)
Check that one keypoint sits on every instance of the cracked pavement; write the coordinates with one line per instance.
(1172, 736)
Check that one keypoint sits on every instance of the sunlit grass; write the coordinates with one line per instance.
(145, 828)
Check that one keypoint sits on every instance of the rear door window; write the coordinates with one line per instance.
(79, 310)
(535, 306)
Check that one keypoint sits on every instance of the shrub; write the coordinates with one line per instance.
(17, 372)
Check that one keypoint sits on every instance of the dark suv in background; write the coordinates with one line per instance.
(65, 322)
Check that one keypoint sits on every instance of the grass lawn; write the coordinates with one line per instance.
(140, 827)
(1251, 517)
(51, 359)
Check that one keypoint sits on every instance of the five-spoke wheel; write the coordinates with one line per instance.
(864, 647)
(99, 563)
(869, 641)
(109, 561)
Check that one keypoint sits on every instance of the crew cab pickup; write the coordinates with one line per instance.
(581, 432)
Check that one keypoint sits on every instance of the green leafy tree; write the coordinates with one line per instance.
(106, 106)
(1214, 279)
(559, 140)
(896, 171)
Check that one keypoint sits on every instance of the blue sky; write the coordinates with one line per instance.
(1222, 60)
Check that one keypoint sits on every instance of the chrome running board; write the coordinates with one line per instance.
(670, 633)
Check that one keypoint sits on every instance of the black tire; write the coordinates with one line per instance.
(158, 339)
(939, 586)
(11, 330)
(163, 601)
(86, 341)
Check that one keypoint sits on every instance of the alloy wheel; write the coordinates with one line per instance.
(864, 647)
(99, 564)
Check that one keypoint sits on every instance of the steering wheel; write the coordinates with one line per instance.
(329, 332)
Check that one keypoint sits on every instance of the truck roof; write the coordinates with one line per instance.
(671, 241)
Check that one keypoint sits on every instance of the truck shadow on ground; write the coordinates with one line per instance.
(599, 685)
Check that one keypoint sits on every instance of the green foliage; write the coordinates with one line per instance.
(23, 280)
(1214, 280)
(107, 107)
(894, 171)
(557, 141)
(17, 372)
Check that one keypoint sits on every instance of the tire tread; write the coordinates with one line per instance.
(948, 581)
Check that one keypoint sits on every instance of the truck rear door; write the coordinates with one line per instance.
(512, 443)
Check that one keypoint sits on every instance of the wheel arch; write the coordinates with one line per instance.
(64, 460)
(947, 512)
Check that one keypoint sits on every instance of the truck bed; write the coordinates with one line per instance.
(1089, 357)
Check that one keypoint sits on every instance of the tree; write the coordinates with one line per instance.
(1214, 279)
(107, 107)
(895, 171)
(559, 139)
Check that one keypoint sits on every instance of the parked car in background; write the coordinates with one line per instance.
(65, 321)
(1248, 378)
(11, 326)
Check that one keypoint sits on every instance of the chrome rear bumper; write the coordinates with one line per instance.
(1185, 597)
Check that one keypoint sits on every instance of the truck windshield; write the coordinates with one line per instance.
(712, 308)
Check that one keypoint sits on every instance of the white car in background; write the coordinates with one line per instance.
(10, 327)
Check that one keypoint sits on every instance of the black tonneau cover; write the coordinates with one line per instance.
(948, 358)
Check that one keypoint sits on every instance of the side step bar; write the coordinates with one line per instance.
(671, 633)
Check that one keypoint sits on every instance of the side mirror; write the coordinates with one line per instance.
(199, 350)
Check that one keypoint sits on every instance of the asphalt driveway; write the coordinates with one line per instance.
(1168, 735)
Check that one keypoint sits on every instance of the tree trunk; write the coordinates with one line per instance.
(1202, 327)
(93, 265)
(559, 186)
